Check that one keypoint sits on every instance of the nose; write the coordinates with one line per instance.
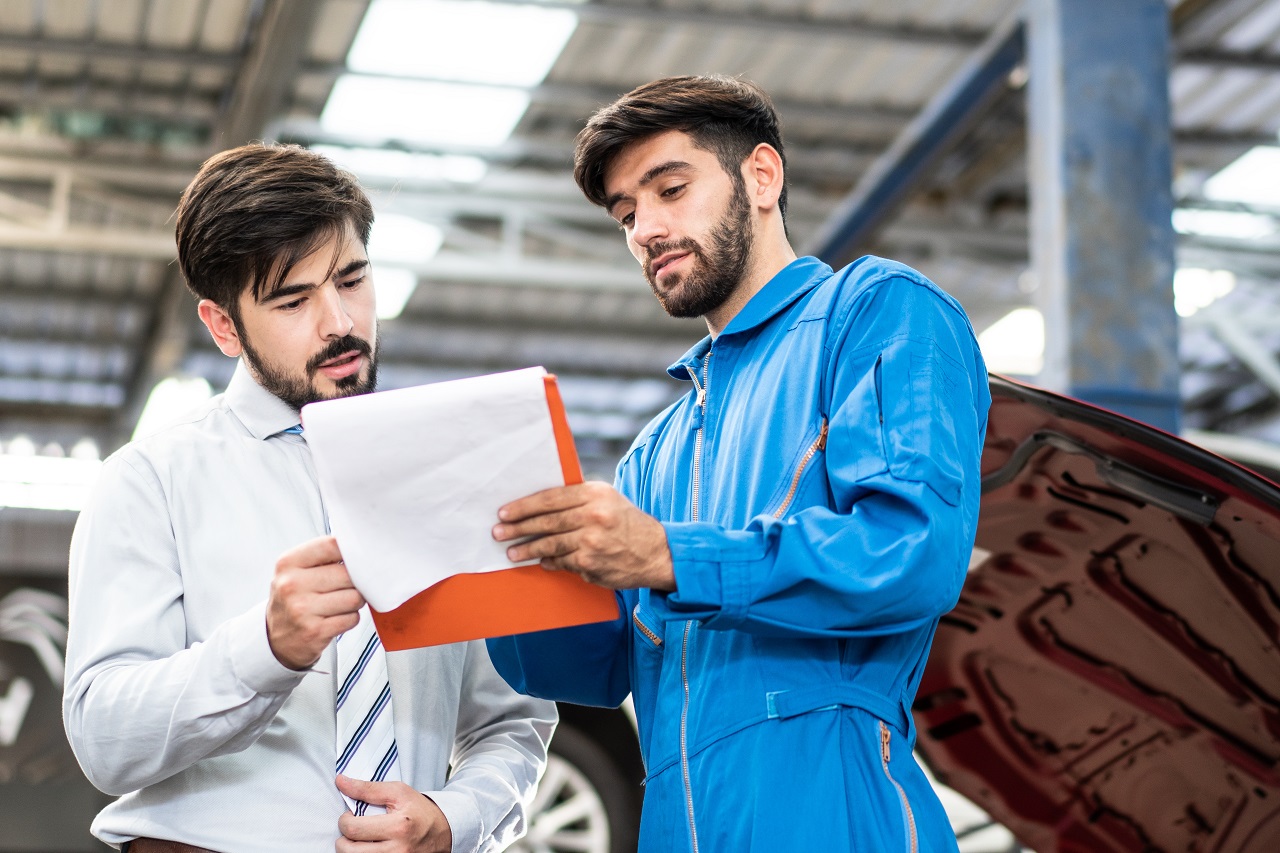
(648, 227)
(335, 322)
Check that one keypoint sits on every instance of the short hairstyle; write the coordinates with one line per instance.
(724, 115)
(260, 209)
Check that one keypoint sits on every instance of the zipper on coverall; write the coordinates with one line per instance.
(688, 625)
(902, 794)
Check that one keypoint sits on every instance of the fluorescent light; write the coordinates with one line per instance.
(46, 482)
(1253, 178)
(1233, 224)
(170, 399)
(464, 40)
(1194, 289)
(400, 239)
(401, 165)
(393, 286)
(422, 111)
(1015, 343)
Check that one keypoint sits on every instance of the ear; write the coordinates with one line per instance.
(764, 174)
(220, 326)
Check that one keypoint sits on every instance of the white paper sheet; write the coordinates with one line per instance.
(412, 479)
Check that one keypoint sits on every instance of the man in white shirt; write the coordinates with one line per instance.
(206, 594)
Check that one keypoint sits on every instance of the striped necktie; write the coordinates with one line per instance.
(366, 736)
(366, 742)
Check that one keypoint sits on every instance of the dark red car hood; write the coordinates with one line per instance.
(1110, 679)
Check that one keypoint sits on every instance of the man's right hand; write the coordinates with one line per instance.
(312, 601)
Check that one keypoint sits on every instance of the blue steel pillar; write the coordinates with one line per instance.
(1102, 242)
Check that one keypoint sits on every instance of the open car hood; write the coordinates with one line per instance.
(1110, 679)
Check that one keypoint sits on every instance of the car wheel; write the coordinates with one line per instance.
(584, 803)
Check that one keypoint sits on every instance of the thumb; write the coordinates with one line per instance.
(373, 793)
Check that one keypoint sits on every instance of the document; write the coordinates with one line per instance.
(412, 480)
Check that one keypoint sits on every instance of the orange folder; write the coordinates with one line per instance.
(507, 601)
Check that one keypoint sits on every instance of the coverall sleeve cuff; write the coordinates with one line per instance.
(252, 660)
(463, 816)
(711, 572)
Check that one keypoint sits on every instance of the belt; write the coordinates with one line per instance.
(156, 845)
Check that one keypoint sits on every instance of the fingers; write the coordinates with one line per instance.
(541, 503)
(548, 547)
(311, 601)
(314, 552)
(413, 821)
(331, 577)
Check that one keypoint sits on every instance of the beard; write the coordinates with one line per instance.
(296, 390)
(717, 270)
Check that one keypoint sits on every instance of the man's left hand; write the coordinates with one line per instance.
(593, 531)
(413, 822)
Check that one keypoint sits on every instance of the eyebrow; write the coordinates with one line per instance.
(284, 291)
(648, 177)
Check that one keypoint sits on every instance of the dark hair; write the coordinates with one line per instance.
(258, 209)
(724, 115)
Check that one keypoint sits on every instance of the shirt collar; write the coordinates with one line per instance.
(263, 413)
(789, 284)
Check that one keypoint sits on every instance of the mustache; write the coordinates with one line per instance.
(337, 347)
(657, 250)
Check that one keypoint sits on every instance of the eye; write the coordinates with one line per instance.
(626, 221)
(291, 305)
(352, 284)
(672, 192)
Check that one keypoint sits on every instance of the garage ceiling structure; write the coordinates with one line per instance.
(905, 125)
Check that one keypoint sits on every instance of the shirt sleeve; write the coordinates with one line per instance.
(890, 551)
(129, 667)
(500, 752)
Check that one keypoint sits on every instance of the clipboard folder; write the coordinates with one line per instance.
(507, 601)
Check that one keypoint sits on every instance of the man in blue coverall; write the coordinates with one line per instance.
(783, 538)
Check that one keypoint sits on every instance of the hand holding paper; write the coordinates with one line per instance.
(412, 480)
(593, 531)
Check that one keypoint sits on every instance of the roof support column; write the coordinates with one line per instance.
(1101, 202)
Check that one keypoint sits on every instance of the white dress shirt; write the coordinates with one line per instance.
(174, 699)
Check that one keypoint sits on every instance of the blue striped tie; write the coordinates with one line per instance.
(366, 742)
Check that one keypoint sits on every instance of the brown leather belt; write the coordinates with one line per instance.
(156, 845)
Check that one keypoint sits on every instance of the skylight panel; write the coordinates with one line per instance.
(1254, 178)
(393, 286)
(397, 239)
(445, 72)
(1015, 343)
(1232, 224)
(406, 165)
(423, 111)
(464, 40)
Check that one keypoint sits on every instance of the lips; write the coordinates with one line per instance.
(343, 366)
(664, 262)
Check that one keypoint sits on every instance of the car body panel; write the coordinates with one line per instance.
(1110, 679)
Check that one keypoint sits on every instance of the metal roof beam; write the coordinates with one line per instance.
(584, 98)
(1219, 59)
(79, 239)
(96, 49)
(268, 73)
(769, 23)
(165, 105)
(896, 174)
(262, 84)
(802, 160)
(53, 300)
